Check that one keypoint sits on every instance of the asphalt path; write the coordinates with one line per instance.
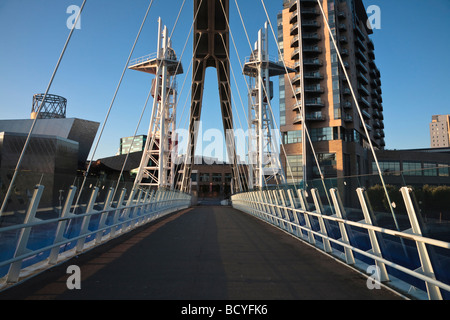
(202, 253)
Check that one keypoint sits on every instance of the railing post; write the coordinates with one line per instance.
(340, 213)
(304, 206)
(434, 293)
(15, 267)
(266, 207)
(294, 213)
(286, 212)
(273, 197)
(104, 216)
(323, 229)
(86, 220)
(54, 253)
(384, 277)
(117, 212)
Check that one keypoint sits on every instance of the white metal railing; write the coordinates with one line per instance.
(289, 210)
(111, 221)
(145, 58)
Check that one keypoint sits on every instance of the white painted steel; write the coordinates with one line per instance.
(267, 209)
(136, 212)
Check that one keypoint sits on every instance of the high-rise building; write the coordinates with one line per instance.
(319, 91)
(440, 131)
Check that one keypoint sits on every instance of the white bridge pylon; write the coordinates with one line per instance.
(157, 168)
(264, 156)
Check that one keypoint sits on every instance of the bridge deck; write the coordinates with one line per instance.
(203, 253)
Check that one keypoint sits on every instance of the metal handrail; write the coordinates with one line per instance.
(262, 205)
(128, 214)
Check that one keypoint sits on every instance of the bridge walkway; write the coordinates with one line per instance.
(203, 253)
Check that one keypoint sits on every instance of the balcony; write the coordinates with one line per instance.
(365, 114)
(297, 93)
(343, 40)
(315, 116)
(295, 54)
(298, 119)
(346, 91)
(293, 6)
(375, 104)
(377, 124)
(348, 118)
(312, 49)
(360, 44)
(347, 105)
(310, 12)
(313, 75)
(314, 103)
(294, 30)
(364, 103)
(342, 27)
(313, 24)
(312, 62)
(297, 80)
(297, 106)
(341, 15)
(359, 32)
(377, 134)
(361, 55)
(293, 18)
(362, 78)
(314, 89)
(361, 67)
(363, 90)
(311, 37)
(294, 42)
(376, 114)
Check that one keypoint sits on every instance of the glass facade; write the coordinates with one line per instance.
(292, 137)
(294, 170)
(412, 168)
(387, 167)
(282, 90)
(328, 165)
(138, 144)
(334, 62)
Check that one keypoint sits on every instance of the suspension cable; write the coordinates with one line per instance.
(25, 147)
(360, 114)
(303, 120)
(112, 102)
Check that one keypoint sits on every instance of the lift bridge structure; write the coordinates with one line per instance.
(405, 262)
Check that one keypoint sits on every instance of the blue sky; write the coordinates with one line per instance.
(411, 52)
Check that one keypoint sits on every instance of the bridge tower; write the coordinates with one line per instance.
(157, 168)
(264, 156)
(211, 49)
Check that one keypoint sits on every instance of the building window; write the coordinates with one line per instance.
(387, 167)
(443, 170)
(294, 170)
(293, 137)
(328, 165)
(322, 134)
(430, 169)
(412, 168)
(204, 177)
(216, 177)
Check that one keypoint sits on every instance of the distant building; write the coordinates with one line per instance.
(319, 92)
(137, 144)
(440, 131)
(414, 167)
(58, 150)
